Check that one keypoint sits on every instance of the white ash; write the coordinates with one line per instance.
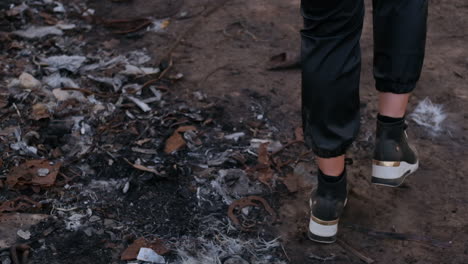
(38, 32)
(272, 145)
(233, 184)
(429, 115)
(70, 63)
(215, 246)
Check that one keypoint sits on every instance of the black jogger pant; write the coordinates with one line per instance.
(331, 63)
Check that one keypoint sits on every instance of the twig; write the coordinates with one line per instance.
(211, 73)
(114, 23)
(400, 236)
(284, 250)
(193, 26)
(358, 254)
(324, 259)
(88, 92)
(163, 73)
(285, 146)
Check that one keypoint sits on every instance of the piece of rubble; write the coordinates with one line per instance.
(43, 172)
(59, 8)
(70, 63)
(16, 10)
(55, 80)
(24, 234)
(38, 32)
(132, 251)
(73, 223)
(24, 148)
(27, 81)
(273, 146)
(63, 95)
(12, 222)
(116, 82)
(40, 111)
(139, 71)
(235, 260)
(147, 254)
(235, 136)
(232, 184)
(142, 105)
(94, 218)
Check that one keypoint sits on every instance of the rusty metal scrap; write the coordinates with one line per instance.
(20, 253)
(129, 25)
(39, 173)
(21, 203)
(248, 201)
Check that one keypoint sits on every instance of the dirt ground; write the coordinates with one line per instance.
(433, 202)
(226, 56)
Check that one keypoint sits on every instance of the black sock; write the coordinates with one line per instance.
(331, 179)
(388, 119)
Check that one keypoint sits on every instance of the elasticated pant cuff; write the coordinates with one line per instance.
(386, 86)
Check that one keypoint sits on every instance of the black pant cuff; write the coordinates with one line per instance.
(327, 153)
(386, 86)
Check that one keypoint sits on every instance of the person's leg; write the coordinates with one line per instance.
(331, 63)
(399, 43)
(393, 105)
(332, 166)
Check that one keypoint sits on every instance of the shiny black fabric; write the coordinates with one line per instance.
(331, 63)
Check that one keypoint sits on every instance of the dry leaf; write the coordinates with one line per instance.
(40, 111)
(263, 154)
(176, 140)
(142, 168)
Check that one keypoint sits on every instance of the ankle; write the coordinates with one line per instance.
(389, 119)
(330, 178)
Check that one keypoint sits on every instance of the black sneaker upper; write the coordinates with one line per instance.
(328, 199)
(392, 143)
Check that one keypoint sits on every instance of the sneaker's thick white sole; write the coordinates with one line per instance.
(392, 175)
(323, 231)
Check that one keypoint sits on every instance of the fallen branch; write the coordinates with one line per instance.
(358, 254)
(400, 236)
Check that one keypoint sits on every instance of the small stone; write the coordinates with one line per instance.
(94, 218)
(126, 187)
(109, 223)
(5, 260)
(27, 81)
(147, 254)
(88, 231)
(24, 234)
(43, 172)
(246, 210)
